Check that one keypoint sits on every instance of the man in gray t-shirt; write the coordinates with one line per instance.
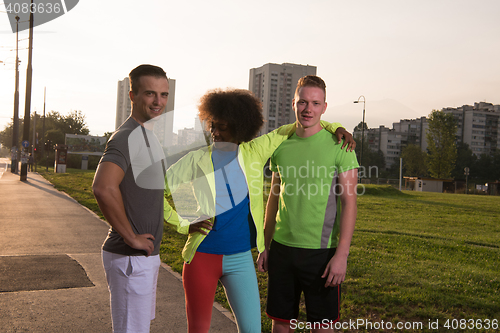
(143, 205)
(132, 207)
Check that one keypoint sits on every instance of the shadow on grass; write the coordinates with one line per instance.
(387, 191)
(450, 205)
(380, 190)
(398, 233)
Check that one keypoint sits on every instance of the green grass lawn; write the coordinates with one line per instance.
(416, 257)
(424, 256)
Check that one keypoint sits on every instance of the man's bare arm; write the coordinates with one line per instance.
(270, 221)
(336, 269)
(106, 190)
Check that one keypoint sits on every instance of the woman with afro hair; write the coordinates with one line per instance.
(227, 181)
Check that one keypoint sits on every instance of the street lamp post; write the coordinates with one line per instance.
(362, 129)
(15, 119)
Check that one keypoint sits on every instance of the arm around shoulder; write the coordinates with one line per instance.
(265, 145)
(340, 132)
(330, 127)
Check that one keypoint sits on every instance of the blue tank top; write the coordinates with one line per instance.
(234, 229)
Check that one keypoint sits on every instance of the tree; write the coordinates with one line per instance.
(414, 161)
(54, 136)
(6, 136)
(56, 127)
(373, 161)
(486, 167)
(73, 123)
(392, 171)
(496, 170)
(465, 158)
(107, 135)
(361, 149)
(4, 151)
(441, 144)
(359, 127)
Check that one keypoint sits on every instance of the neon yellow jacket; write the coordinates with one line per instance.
(197, 169)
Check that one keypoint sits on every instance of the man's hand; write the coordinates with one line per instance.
(142, 242)
(348, 139)
(200, 226)
(335, 271)
(106, 188)
(262, 261)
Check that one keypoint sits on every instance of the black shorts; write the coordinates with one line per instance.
(293, 271)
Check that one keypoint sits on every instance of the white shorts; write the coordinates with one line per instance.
(132, 286)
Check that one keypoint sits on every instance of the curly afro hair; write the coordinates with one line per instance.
(238, 107)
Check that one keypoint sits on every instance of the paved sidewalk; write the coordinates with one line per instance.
(43, 230)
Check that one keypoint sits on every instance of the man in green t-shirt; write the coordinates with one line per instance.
(308, 230)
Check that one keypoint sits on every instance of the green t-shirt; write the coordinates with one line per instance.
(309, 203)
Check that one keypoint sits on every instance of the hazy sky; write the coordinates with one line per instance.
(406, 57)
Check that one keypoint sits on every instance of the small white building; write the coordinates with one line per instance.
(432, 184)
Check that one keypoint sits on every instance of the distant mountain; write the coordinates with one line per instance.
(383, 112)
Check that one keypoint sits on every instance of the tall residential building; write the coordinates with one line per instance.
(164, 131)
(123, 106)
(478, 126)
(275, 85)
(188, 136)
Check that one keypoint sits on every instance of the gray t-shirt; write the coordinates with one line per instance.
(130, 148)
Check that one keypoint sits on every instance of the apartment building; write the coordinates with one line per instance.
(392, 141)
(478, 126)
(123, 106)
(274, 85)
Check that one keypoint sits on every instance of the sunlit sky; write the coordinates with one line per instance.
(405, 57)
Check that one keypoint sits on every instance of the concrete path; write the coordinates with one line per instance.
(45, 233)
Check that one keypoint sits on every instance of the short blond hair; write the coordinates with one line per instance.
(311, 81)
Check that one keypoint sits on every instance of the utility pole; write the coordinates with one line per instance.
(27, 105)
(467, 170)
(400, 172)
(33, 146)
(43, 123)
(15, 121)
(362, 129)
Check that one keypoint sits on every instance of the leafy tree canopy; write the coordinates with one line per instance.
(465, 158)
(56, 127)
(360, 126)
(441, 144)
(414, 161)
